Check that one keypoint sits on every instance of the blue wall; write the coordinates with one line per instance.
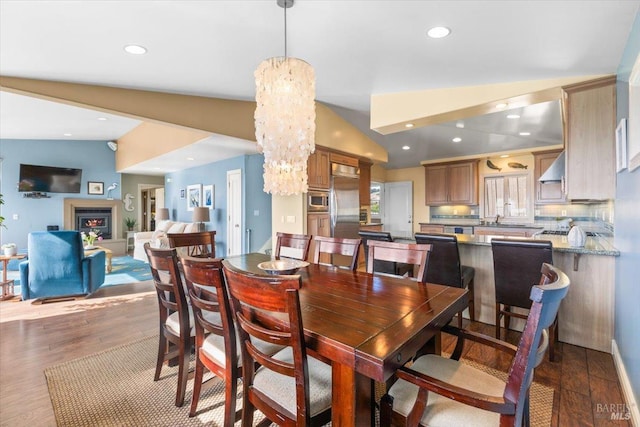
(95, 159)
(254, 199)
(627, 234)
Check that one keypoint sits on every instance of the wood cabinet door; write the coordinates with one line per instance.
(591, 124)
(318, 169)
(435, 185)
(431, 228)
(462, 183)
(318, 225)
(547, 192)
(365, 184)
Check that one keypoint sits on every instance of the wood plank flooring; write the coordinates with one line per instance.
(33, 337)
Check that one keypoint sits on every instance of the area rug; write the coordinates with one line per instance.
(116, 388)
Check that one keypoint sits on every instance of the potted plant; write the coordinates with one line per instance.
(9, 249)
(130, 223)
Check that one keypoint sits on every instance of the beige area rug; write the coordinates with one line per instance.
(116, 388)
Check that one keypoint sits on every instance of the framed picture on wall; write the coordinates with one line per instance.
(208, 196)
(194, 196)
(94, 187)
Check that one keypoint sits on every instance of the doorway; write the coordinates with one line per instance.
(234, 217)
(399, 220)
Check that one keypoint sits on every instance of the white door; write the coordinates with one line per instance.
(234, 209)
(398, 208)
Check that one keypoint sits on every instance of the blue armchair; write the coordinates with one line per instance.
(57, 266)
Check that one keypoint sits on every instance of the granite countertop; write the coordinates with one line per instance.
(593, 245)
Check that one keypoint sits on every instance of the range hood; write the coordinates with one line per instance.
(555, 173)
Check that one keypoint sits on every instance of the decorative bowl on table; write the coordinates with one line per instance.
(282, 266)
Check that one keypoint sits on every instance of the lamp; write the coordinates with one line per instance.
(201, 215)
(285, 119)
(162, 214)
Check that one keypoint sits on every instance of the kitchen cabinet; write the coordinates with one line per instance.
(318, 225)
(343, 160)
(431, 228)
(590, 140)
(318, 169)
(547, 192)
(505, 231)
(365, 184)
(451, 183)
(371, 227)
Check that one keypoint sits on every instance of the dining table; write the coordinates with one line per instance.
(366, 325)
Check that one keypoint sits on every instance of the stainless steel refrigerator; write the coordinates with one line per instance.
(344, 204)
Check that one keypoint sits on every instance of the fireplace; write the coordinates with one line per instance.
(96, 219)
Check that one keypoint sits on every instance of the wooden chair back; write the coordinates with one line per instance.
(200, 244)
(292, 246)
(268, 308)
(408, 253)
(172, 298)
(212, 315)
(337, 246)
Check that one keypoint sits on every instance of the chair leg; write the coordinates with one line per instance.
(460, 319)
(230, 393)
(162, 349)
(183, 372)
(386, 406)
(472, 305)
(197, 386)
(553, 339)
(507, 319)
(498, 320)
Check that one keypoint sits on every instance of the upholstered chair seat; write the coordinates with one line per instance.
(173, 321)
(213, 347)
(282, 389)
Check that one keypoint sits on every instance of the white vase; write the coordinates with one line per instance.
(10, 251)
(577, 236)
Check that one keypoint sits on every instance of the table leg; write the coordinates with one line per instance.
(351, 397)
(109, 266)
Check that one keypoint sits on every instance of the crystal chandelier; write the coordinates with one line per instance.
(285, 119)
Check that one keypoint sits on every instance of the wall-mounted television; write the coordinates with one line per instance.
(49, 179)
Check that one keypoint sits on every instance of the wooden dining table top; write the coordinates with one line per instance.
(371, 323)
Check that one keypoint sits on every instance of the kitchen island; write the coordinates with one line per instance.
(586, 315)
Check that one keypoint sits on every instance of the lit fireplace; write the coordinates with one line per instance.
(87, 219)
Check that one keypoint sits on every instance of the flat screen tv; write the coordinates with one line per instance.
(49, 179)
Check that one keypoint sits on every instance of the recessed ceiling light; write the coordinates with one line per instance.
(460, 125)
(525, 133)
(190, 158)
(406, 147)
(501, 105)
(457, 139)
(67, 134)
(408, 125)
(438, 32)
(513, 116)
(504, 156)
(135, 49)
(102, 119)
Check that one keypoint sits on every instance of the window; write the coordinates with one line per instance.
(507, 196)
(376, 200)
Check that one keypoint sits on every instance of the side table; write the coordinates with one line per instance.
(7, 285)
(108, 254)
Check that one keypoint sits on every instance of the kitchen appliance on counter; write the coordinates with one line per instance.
(364, 216)
(565, 232)
(344, 203)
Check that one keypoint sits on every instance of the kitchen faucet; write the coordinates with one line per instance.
(497, 218)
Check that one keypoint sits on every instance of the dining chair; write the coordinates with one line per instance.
(407, 253)
(445, 267)
(381, 266)
(289, 387)
(348, 249)
(201, 244)
(437, 390)
(292, 245)
(176, 336)
(515, 266)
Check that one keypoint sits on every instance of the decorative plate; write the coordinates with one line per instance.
(282, 266)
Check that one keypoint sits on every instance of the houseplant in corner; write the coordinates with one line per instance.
(130, 223)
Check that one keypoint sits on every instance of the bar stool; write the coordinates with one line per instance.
(444, 266)
(516, 267)
(395, 268)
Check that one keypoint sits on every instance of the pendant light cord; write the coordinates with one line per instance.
(285, 29)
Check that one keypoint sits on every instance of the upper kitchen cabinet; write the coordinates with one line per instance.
(451, 183)
(590, 144)
(365, 183)
(318, 169)
(550, 191)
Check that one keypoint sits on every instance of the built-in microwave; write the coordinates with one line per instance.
(318, 201)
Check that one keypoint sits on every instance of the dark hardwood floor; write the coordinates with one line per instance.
(33, 337)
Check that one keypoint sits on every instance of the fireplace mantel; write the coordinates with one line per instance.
(118, 246)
